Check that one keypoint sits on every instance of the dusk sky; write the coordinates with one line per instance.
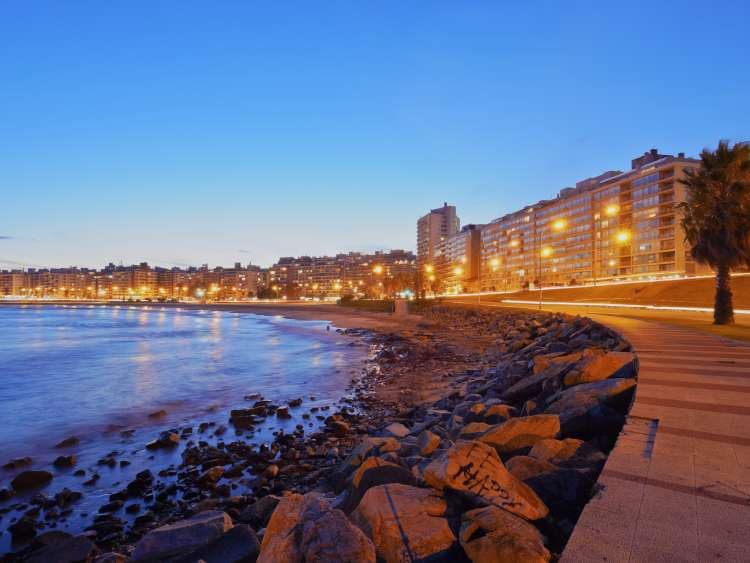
(201, 132)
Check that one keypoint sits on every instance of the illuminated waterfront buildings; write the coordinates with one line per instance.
(324, 277)
(618, 225)
(433, 228)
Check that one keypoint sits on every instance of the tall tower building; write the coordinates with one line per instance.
(436, 226)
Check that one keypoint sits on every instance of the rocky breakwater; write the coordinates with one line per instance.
(477, 437)
(497, 470)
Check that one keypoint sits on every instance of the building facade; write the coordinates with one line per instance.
(433, 228)
(615, 226)
(456, 262)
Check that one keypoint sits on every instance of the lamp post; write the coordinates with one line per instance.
(557, 225)
(429, 270)
(378, 271)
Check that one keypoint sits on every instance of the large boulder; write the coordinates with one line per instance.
(475, 470)
(528, 387)
(524, 467)
(474, 430)
(493, 535)
(30, 480)
(564, 490)
(306, 528)
(522, 432)
(60, 547)
(258, 513)
(405, 523)
(608, 366)
(592, 409)
(615, 393)
(369, 446)
(238, 545)
(568, 452)
(373, 472)
(182, 537)
(544, 361)
(495, 414)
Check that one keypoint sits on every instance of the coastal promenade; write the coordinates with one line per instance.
(677, 485)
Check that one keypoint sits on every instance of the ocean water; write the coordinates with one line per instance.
(92, 371)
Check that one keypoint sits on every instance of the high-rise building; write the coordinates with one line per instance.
(456, 264)
(436, 226)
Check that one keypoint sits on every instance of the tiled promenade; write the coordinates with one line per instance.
(677, 485)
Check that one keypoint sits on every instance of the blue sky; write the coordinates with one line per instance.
(192, 132)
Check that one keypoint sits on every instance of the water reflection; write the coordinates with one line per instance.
(74, 370)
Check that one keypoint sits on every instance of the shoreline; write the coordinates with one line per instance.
(439, 378)
(336, 315)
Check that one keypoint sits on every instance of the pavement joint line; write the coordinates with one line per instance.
(678, 488)
(695, 385)
(695, 405)
(708, 436)
(653, 371)
(704, 370)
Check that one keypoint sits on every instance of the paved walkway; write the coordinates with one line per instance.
(677, 485)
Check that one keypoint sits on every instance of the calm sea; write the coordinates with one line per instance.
(91, 371)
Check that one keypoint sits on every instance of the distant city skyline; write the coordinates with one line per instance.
(177, 136)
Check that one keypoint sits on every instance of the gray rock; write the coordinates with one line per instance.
(64, 550)
(238, 545)
(182, 537)
(30, 480)
(521, 432)
(474, 470)
(397, 430)
(493, 535)
(373, 472)
(258, 513)
(307, 528)
(428, 442)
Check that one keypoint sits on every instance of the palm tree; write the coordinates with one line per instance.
(716, 217)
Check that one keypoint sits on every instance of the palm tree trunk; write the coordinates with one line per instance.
(723, 309)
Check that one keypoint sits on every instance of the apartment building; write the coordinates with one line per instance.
(618, 225)
(436, 226)
(353, 273)
(12, 282)
(456, 262)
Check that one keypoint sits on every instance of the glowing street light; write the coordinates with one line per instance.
(557, 225)
(458, 270)
(612, 210)
(377, 269)
(623, 237)
(495, 264)
(429, 268)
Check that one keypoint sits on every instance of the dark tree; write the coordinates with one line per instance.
(716, 218)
